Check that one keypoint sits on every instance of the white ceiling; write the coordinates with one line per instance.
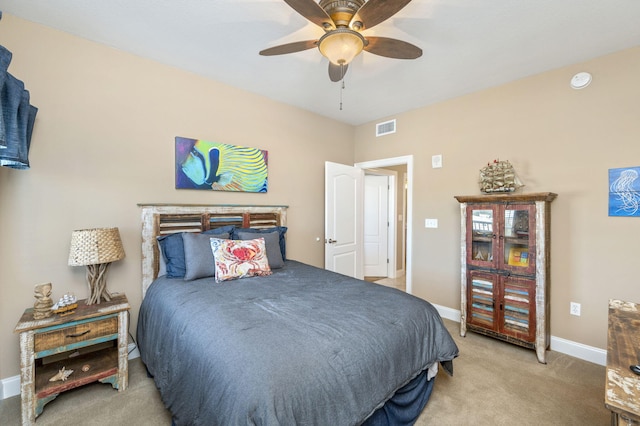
(468, 45)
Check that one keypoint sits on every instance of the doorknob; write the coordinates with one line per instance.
(330, 241)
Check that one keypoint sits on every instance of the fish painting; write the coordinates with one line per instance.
(220, 167)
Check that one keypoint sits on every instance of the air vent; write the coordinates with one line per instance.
(386, 128)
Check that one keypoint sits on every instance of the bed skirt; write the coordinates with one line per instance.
(405, 405)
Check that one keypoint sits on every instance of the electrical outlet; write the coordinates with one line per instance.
(574, 309)
(436, 161)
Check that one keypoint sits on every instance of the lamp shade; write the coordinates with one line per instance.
(341, 45)
(95, 246)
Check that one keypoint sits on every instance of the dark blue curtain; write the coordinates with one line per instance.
(16, 118)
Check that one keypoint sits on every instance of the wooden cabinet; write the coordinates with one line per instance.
(505, 267)
(92, 341)
(622, 386)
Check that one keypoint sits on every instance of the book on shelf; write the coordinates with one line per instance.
(518, 256)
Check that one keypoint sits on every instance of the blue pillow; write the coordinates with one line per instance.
(272, 245)
(198, 257)
(172, 249)
(281, 231)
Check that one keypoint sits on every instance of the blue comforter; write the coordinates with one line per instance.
(303, 346)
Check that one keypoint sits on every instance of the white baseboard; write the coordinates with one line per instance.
(448, 313)
(133, 351)
(578, 350)
(11, 386)
(558, 344)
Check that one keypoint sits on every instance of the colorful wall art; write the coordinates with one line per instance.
(219, 167)
(624, 192)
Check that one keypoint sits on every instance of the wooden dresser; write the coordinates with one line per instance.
(92, 341)
(622, 386)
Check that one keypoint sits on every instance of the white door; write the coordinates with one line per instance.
(376, 225)
(344, 194)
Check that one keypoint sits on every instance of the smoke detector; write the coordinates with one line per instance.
(580, 80)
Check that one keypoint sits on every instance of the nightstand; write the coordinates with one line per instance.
(92, 341)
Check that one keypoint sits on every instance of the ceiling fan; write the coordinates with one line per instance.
(342, 21)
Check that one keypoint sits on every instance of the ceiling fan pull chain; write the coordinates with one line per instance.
(341, 83)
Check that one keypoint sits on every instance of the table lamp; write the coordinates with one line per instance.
(96, 249)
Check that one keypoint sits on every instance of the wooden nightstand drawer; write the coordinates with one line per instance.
(81, 331)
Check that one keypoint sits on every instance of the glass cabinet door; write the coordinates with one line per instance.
(482, 226)
(517, 236)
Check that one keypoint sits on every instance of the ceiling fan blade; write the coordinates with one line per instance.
(337, 72)
(313, 12)
(392, 48)
(374, 12)
(297, 46)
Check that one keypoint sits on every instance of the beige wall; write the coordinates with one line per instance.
(104, 141)
(560, 140)
(104, 138)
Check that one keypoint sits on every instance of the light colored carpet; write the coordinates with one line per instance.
(494, 383)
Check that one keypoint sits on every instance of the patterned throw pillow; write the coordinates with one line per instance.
(240, 258)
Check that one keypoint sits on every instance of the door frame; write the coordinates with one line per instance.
(392, 217)
(398, 161)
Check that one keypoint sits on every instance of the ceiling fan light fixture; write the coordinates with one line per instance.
(341, 45)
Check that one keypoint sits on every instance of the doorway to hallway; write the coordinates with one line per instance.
(399, 218)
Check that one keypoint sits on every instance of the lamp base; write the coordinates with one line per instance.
(97, 282)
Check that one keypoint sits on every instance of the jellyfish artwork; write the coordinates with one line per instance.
(627, 196)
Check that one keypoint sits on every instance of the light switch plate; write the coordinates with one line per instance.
(436, 161)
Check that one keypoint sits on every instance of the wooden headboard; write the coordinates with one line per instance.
(163, 219)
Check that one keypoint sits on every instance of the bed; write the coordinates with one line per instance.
(297, 345)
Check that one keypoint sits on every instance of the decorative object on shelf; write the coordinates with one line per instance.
(42, 306)
(220, 167)
(62, 375)
(499, 176)
(66, 305)
(624, 191)
(96, 249)
(518, 257)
